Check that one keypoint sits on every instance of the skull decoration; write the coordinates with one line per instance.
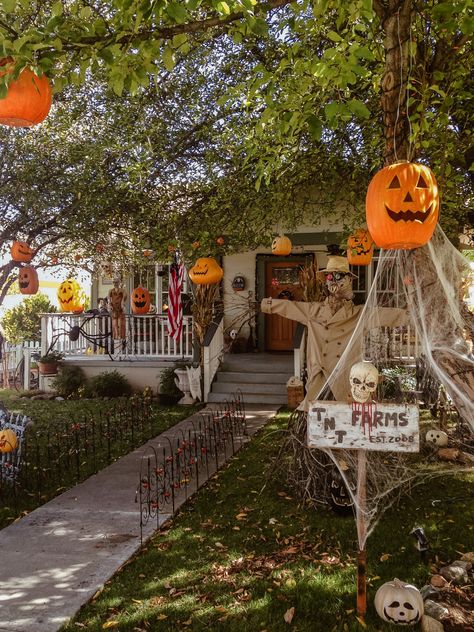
(399, 603)
(363, 379)
(437, 437)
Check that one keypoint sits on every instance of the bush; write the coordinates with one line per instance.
(69, 381)
(23, 322)
(110, 384)
(167, 382)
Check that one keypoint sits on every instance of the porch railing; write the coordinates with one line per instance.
(146, 336)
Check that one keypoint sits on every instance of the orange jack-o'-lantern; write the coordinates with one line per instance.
(71, 297)
(281, 246)
(8, 440)
(206, 271)
(140, 301)
(402, 206)
(28, 100)
(360, 247)
(28, 280)
(21, 252)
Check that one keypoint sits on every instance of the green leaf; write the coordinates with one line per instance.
(334, 37)
(57, 9)
(169, 60)
(177, 12)
(359, 108)
(315, 127)
(8, 6)
(223, 8)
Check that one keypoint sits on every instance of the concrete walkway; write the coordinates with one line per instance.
(55, 559)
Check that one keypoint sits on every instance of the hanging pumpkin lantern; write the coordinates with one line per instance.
(8, 440)
(399, 603)
(281, 246)
(402, 206)
(28, 280)
(220, 241)
(28, 100)
(360, 247)
(99, 248)
(71, 297)
(21, 252)
(140, 301)
(206, 271)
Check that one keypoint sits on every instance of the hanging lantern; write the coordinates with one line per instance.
(28, 280)
(360, 248)
(28, 100)
(21, 252)
(140, 301)
(281, 246)
(71, 297)
(206, 271)
(402, 206)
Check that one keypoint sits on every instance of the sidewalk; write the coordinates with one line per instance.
(55, 559)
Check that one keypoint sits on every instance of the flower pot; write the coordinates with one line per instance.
(48, 368)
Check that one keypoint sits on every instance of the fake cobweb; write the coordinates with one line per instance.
(433, 347)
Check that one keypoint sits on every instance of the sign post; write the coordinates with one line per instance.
(375, 426)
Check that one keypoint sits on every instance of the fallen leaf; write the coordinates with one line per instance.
(362, 622)
(273, 521)
(162, 617)
(289, 614)
(137, 600)
(241, 516)
(220, 609)
(188, 622)
(219, 545)
(110, 624)
(384, 557)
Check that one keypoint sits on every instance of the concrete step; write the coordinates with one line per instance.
(258, 363)
(246, 388)
(250, 398)
(252, 378)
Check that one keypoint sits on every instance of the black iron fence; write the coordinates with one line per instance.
(187, 458)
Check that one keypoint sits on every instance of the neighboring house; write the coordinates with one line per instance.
(148, 347)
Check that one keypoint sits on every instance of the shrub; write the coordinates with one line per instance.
(167, 382)
(69, 381)
(23, 322)
(110, 384)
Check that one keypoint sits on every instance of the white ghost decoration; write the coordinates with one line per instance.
(363, 378)
(437, 437)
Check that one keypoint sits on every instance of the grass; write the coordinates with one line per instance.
(241, 554)
(52, 461)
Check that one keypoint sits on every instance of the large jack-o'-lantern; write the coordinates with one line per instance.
(360, 247)
(28, 280)
(206, 271)
(399, 603)
(140, 301)
(71, 297)
(28, 100)
(281, 246)
(21, 252)
(402, 206)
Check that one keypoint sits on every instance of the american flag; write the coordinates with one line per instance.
(175, 307)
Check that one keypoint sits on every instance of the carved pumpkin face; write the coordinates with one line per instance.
(399, 603)
(28, 280)
(28, 100)
(281, 246)
(206, 271)
(140, 301)
(402, 206)
(8, 440)
(341, 500)
(71, 297)
(21, 252)
(360, 248)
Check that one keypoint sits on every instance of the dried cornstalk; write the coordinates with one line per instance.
(204, 297)
(313, 288)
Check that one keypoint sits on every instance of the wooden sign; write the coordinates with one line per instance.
(373, 426)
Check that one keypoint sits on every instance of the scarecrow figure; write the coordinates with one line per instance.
(117, 298)
(330, 325)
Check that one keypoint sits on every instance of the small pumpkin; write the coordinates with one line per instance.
(360, 247)
(28, 100)
(140, 300)
(437, 437)
(8, 440)
(206, 271)
(399, 603)
(21, 252)
(28, 280)
(281, 246)
(71, 297)
(402, 206)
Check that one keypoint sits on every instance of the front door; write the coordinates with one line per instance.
(281, 281)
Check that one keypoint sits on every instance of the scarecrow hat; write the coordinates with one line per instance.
(337, 264)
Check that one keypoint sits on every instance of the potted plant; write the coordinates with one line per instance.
(48, 363)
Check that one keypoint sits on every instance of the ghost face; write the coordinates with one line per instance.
(363, 379)
(339, 285)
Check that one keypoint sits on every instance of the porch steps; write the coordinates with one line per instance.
(260, 377)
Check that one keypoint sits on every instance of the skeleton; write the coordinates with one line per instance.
(363, 379)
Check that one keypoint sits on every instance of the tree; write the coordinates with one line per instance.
(23, 322)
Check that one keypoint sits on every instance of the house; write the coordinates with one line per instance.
(248, 277)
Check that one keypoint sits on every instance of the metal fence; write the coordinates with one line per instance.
(187, 459)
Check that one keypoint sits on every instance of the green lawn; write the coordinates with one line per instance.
(242, 554)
